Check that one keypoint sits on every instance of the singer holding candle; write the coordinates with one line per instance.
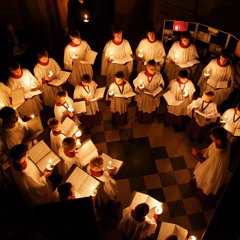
(147, 104)
(46, 70)
(150, 48)
(33, 185)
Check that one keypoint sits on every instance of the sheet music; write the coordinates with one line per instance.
(61, 78)
(170, 99)
(38, 151)
(155, 92)
(123, 60)
(35, 125)
(217, 84)
(69, 127)
(115, 163)
(42, 164)
(17, 97)
(98, 94)
(90, 57)
(79, 107)
(237, 132)
(229, 128)
(207, 115)
(126, 95)
(32, 94)
(189, 63)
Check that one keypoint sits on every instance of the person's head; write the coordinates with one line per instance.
(18, 155)
(10, 28)
(86, 79)
(119, 77)
(151, 33)
(140, 211)
(238, 109)
(207, 96)
(117, 34)
(219, 136)
(172, 237)
(183, 75)
(75, 36)
(66, 191)
(8, 115)
(151, 66)
(54, 124)
(186, 38)
(61, 96)
(69, 144)
(96, 164)
(224, 57)
(15, 68)
(42, 55)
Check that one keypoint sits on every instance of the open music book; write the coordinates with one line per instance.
(69, 127)
(110, 164)
(207, 115)
(234, 131)
(123, 60)
(86, 152)
(170, 99)
(217, 84)
(61, 78)
(98, 94)
(35, 127)
(139, 197)
(155, 92)
(84, 183)
(126, 95)
(40, 154)
(167, 229)
(189, 63)
(17, 97)
(32, 94)
(90, 57)
(79, 107)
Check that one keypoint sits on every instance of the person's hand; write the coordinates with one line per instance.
(48, 79)
(47, 173)
(203, 150)
(70, 114)
(110, 60)
(74, 60)
(194, 151)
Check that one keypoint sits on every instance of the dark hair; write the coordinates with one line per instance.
(150, 29)
(42, 53)
(68, 143)
(219, 133)
(172, 237)
(64, 190)
(14, 65)
(62, 93)
(117, 29)
(225, 53)
(183, 73)
(186, 34)
(151, 62)
(86, 78)
(6, 113)
(141, 210)
(119, 74)
(18, 151)
(52, 122)
(238, 107)
(209, 93)
(75, 34)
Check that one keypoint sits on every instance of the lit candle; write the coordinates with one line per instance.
(110, 92)
(185, 93)
(74, 56)
(86, 18)
(206, 74)
(158, 210)
(78, 133)
(192, 238)
(50, 166)
(33, 86)
(94, 192)
(111, 55)
(141, 85)
(50, 73)
(78, 143)
(140, 54)
(70, 108)
(176, 28)
(32, 115)
(223, 119)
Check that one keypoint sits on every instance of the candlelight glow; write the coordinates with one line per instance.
(78, 133)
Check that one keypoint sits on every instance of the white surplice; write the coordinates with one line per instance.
(61, 112)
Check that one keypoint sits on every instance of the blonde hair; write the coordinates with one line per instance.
(96, 164)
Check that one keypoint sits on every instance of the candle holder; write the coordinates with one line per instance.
(50, 74)
(158, 211)
(70, 108)
(78, 143)
(33, 86)
(86, 18)
(111, 92)
(50, 166)
(78, 133)
(192, 238)
(140, 54)
(185, 93)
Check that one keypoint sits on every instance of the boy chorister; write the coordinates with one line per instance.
(119, 105)
(62, 107)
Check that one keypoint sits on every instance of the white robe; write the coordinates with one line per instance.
(56, 141)
(79, 92)
(150, 51)
(78, 69)
(217, 74)
(119, 104)
(230, 124)
(61, 112)
(32, 105)
(67, 162)
(5, 93)
(210, 109)
(211, 173)
(132, 229)
(145, 102)
(32, 184)
(48, 91)
(118, 52)
(180, 56)
(176, 91)
(108, 189)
